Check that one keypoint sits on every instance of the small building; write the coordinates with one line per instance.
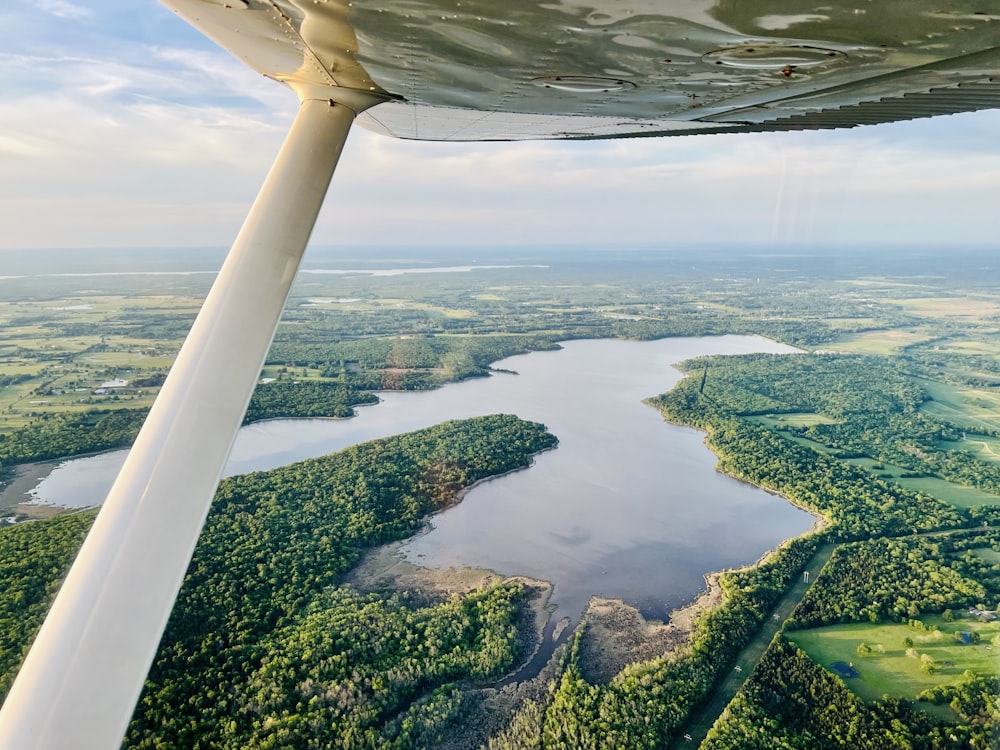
(983, 614)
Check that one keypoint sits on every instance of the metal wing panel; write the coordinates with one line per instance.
(405, 120)
(481, 70)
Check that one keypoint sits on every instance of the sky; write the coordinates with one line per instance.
(120, 126)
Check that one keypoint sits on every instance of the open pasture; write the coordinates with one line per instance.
(853, 324)
(58, 351)
(963, 406)
(978, 346)
(965, 307)
(896, 669)
(987, 555)
(797, 419)
(883, 341)
(959, 495)
(983, 447)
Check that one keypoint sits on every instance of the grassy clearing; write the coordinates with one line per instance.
(969, 408)
(29, 336)
(799, 419)
(281, 372)
(958, 417)
(969, 346)
(883, 341)
(119, 359)
(50, 344)
(890, 670)
(18, 367)
(958, 495)
(955, 494)
(445, 312)
(147, 345)
(987, 555)
(68, 346)
(881, 281)
(981, 446)
(965, 308)
(852, 324)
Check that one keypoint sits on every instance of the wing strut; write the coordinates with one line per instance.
(80, 682)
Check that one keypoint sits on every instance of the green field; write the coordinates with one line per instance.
(965, 307)
(884, 341)
(58, 351)
(965, 407)
(801, 419)
(958, 495)
(955, 494)
(890, 670)
(852, 324)
(970, 346)
(981, 446)
(987, 555)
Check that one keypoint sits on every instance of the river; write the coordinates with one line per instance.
(627, 506)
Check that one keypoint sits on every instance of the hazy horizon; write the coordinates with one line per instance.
(123, 126)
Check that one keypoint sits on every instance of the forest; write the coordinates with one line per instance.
(264, 639)
(892, 579)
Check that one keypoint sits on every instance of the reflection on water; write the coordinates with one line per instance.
(627, 506)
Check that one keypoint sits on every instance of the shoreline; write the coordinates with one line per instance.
(460, 494)
(384, 568)
(615, 633)
(821, 522)
(14, 491)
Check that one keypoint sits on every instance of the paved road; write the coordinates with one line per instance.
(702, 720)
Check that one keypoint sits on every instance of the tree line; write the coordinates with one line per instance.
(65, 434)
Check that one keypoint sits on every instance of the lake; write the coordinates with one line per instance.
(627, 506)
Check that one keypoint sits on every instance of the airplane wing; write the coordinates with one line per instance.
(452, 70)
(475, 70)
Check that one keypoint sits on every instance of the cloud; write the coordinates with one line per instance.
(64, 9)
(140, 126)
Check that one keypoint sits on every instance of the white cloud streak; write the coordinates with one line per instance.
(136, 144)
(64, 9)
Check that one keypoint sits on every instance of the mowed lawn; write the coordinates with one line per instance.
(889, 670)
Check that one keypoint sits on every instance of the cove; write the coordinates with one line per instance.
(627, 506)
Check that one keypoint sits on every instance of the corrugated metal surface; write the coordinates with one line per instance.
(963, 97)
(482, 70)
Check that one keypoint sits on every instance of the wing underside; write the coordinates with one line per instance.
(468, 70)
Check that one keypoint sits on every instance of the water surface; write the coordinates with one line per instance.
(628, 506)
